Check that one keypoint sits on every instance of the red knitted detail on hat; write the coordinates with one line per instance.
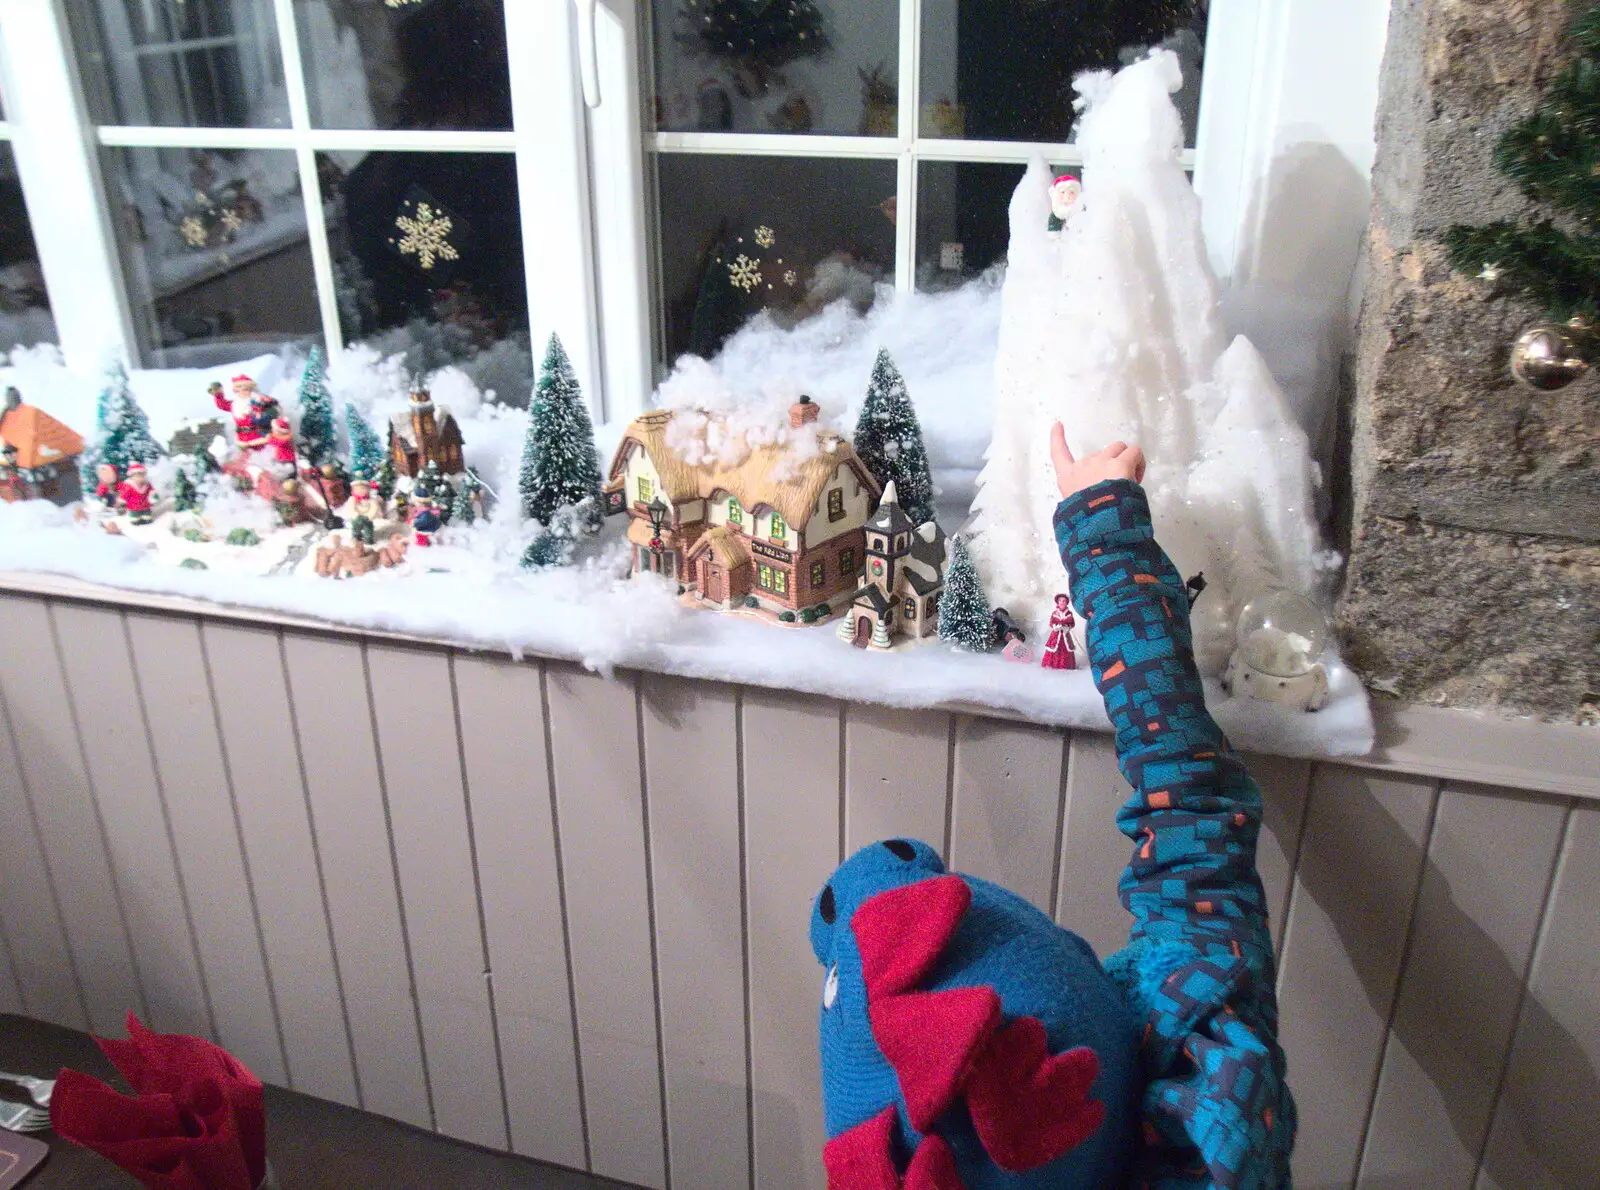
(862, 1158)
(902, 932)
(932, 1040)
(1029, 1106)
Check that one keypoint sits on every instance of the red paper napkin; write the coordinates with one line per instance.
(195, 1122)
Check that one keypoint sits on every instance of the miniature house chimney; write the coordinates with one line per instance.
(803, 412)
(422, 424)
(13, 399)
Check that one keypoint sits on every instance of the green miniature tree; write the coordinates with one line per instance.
(1554, 157)
(550, 548)
(205, 463)
(317, 440)
(383, 479)
(366, 451)
(560, 465)
(122, 432)
(965, 618)
(185, 496)
(463, 509)
(889, 440)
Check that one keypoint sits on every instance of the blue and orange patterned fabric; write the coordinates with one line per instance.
(1198, 969)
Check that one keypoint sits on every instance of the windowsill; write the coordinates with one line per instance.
(1447, 743)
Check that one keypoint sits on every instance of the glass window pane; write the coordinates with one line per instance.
(785, 235)
(438, 64)
(215, 249)
(962, 219)
(825, 66)
(1002, 69)
(24, 304)
(199, 63)
(427, 261)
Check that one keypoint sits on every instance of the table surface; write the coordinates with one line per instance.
(312, 1144)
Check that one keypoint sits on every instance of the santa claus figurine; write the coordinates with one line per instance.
(1065, 194)
(137, 494)
(1058, 652)
(106, 490)
(252, 411)
(281, 440)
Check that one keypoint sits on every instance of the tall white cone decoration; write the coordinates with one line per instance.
(1114, 327)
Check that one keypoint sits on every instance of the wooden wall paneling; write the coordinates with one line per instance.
(1006, 819)
(50, 760)
(1093, 851)
(1488, 869)
(792, 782)
(413, 698)
(1284, 784)
(116, 749)
(1361, 858)
(508, 779)
(692, 779)
(594, 739)
(175, 683)
(41, 963)
(1544, 1135)
(328, 685)
(10, 990)
(896, 775)
(253, 708)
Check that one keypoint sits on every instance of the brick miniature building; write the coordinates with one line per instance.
(39, 455)
(423, 434)
(902, 579)
(784, 526)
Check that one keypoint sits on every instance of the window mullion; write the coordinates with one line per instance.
(910, 86)
(294, 79)
(60, 174)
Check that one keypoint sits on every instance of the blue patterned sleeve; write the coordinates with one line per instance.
(1199, 965)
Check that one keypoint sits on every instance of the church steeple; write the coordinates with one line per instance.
(888, 541)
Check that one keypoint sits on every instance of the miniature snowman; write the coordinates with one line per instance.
(365, 509)
(136, 495)
(1280, 636)
(1066, 193)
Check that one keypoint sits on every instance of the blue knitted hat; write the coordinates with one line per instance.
(964, 1033)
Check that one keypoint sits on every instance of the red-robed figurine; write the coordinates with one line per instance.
(252, 411)
(1058, 652)
(106, 490)
(282, 442)
(136, 494)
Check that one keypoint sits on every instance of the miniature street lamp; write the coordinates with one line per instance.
(658, 510)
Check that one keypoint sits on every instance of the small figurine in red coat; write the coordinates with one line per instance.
(137, 494)
(106, 490)
(1058, 652)
(282, 442)
(252, 411)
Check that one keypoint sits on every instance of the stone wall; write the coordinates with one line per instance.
(1474, 531)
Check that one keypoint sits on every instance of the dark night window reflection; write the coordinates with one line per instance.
(198, 63)
(24, 304)
(1002, 69)
(780, 236)
(427, 260)
(215, 251)
(822, 66)
(434, 64)
(962, 221)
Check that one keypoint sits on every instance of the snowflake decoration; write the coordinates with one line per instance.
(790, 276)
(427, 236)
(193, 232)
(765, 236)
(231, 219)
(744, 273)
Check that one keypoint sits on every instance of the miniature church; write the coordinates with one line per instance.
(902, 579)
(424, 433)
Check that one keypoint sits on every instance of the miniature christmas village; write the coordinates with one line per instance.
(733, 501)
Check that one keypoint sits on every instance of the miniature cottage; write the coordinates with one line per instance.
(39, 455)
(902, 578)
(784, 527)
(423, 434)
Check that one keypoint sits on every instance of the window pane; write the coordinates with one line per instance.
(825, 66)
(962, 219)
(1002, 69)
(435, 64)
(24, 305)
(199, 63)
(427, 260)
(215, 249)
(785, 235)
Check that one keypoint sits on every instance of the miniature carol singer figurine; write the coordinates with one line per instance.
(426, 522)
(1058, 652)
(106, 490)
(136, 495)
(282, 442)
(1065, 194)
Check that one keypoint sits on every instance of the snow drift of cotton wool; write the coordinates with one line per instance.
(1113, 325)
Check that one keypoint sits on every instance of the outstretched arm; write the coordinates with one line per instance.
(1199, 964)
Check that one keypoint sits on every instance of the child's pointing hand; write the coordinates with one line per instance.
(1117, 461)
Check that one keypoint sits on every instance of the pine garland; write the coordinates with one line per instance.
(560, 465)
(1554, 157)
(965, 618)
(888, 440)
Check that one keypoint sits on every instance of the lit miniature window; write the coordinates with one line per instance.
(836, 504)
(779, 531)
(735, 512)
(764, 577)
(646, 489)
(847, 561)
(780, 581)
(911, 609)
(818, 573)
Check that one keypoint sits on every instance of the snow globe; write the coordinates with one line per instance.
(1278, 642)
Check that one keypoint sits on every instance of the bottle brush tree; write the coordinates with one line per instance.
(560, 465)
(965, 618)
(366, 451)
(1554, 158)
(317, 440)
(122, 431)
(888, 440)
